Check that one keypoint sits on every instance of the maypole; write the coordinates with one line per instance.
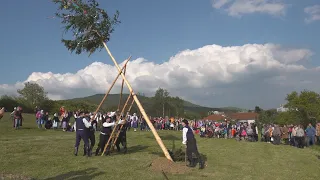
(92, 27)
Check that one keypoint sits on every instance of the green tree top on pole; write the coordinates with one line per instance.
(89, 24)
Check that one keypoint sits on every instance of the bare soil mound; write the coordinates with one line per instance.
(163, 164)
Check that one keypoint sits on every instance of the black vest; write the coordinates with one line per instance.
(106, 130)
(190, 135)
(80, 124)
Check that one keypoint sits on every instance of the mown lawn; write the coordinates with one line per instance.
(48, 154)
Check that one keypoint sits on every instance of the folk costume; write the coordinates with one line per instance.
(134, 121)
(104, 135)
(56, 121)
(91, 137)
(80, 126)
(191, 149)
(122, 138)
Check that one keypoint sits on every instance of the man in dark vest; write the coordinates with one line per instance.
(104, 134)
(91, 137)
(191, 149)
(122, 136)
(80, 126)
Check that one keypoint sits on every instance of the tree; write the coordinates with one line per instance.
(8, 102)
(305, 106)
(285, 118)
(175, 106)
(161, 99)
(89, 24)
(257, 109)
(33, 94)
(267, 117)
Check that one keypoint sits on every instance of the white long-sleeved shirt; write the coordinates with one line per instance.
(184, 135)
(86, 123)
(106, 124)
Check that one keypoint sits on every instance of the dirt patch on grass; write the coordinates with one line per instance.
(14, 176)
(163, 164)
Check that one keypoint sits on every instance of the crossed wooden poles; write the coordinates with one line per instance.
(121, 71)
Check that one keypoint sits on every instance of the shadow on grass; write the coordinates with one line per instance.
(130, 150)
(85, 174)
(166, 137)
(177, 154)
(135, 149)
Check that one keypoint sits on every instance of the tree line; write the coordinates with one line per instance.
(32, 95)
(302, 108)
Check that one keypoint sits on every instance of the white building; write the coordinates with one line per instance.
(282, 109)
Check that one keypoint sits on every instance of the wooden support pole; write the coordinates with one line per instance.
(114, 128)
(144, 114)
(120, 99)
(107, 93)
(122, 112)
(130, 107)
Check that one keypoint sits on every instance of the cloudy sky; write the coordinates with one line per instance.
(212, 52)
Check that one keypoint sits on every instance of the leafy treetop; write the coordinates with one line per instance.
(89, 24)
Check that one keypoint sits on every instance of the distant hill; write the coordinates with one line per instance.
(113, 100)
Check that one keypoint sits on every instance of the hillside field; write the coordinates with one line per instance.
(147, 102)
(48, 154)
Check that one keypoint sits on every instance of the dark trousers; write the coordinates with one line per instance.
(300, 142)
(192, 150)
(310, 140)
(318, 140)
(81, 134)
(123, 140)
(92, 139)
(276, 140)
(102, 142)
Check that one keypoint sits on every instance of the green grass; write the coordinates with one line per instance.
(48, 154)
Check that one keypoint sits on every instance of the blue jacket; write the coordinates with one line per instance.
(311, 131)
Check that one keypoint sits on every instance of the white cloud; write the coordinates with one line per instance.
(313, 13)
(237, 8)
(212, 75)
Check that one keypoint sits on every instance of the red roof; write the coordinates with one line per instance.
(215, 117)
(244, 116)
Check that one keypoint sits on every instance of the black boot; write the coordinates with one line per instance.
(193, 162)
(89, 152)
(75, 151)
(84, 151)
(201, 164)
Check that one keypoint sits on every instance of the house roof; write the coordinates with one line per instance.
(244, 116)
(215, 117)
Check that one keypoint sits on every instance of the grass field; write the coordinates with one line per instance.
(48, 154)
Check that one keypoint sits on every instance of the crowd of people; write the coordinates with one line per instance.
(295, 135)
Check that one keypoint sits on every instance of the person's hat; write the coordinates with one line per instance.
(185, 121)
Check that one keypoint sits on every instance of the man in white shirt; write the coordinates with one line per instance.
(191, 145)
(105, 134)
(80, 126)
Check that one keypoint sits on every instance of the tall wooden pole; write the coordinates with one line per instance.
(120, 99)
(115, 127)
(144, 114)
(130, 107)
(107, 93)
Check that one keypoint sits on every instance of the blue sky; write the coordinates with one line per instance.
(154, 30)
